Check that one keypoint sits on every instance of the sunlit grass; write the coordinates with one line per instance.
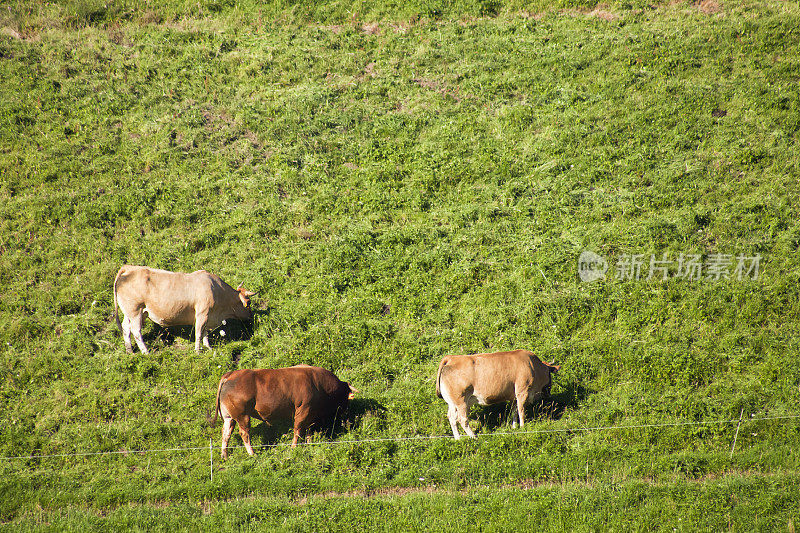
(399, 183)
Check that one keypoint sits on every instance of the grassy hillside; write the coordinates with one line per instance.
(399, 182)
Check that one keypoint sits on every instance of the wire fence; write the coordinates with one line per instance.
(520, 432)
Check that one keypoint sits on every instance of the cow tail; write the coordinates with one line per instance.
(217, 411)
(442, 364)
(116, 313)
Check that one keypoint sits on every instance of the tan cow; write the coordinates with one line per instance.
(312, 395)
(487, 378)
(175, 299)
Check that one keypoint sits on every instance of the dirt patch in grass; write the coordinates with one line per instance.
(335, 29)
(709, 7)
(10, 32)
(604, 14)
(371, 28)
(442, 88)
(535, 15)
(600, 11)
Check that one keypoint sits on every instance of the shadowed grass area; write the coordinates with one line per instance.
(401, 182)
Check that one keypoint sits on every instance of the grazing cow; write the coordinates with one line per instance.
(175, 299)
(487, 378)
(312, 395)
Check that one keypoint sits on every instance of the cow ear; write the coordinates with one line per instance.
(555, 368)
(243, 299)
(249, 293)
(352, 393)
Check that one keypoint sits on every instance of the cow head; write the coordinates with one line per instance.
(246, 313)
(553, 368)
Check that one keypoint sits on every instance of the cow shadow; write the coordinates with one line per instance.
(269, 434)
(233, 330)
(350, 419)
(359, 408)
(262, 434)
(501, 415)
(570, 396)
(492, 417)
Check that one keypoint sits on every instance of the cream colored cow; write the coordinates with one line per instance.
(487, 378)
(175, 299)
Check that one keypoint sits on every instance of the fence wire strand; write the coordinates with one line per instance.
(411, 438)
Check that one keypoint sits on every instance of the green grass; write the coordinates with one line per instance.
(691, 506)
(400, 182)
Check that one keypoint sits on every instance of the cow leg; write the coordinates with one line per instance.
(522, 397)
(452, 416)
(463, 419)
(126, 333)
(136, 328)
(301, 422)
(227, 430)
(200, 332)
(244, 431)
(298, 432)
(515, 418)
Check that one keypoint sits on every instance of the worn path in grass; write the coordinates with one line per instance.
(734, 500)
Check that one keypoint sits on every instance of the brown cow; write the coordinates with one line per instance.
(175, 299)
(312, 395)
(487, 378)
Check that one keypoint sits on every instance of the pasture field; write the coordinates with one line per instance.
(399, 181)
